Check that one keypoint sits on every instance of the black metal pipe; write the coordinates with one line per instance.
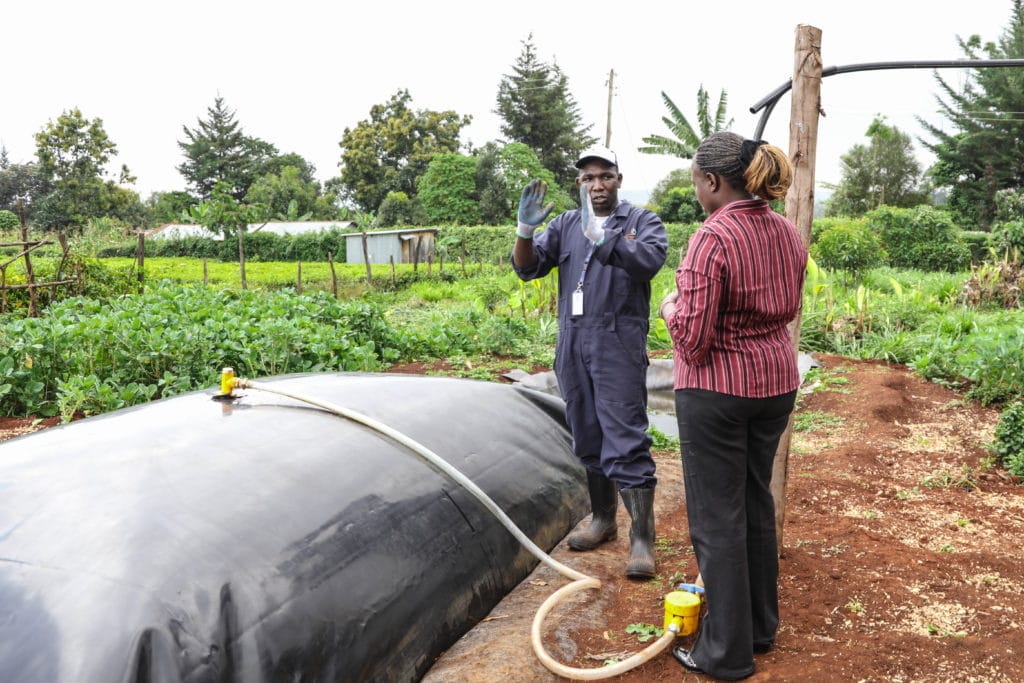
(769, 101)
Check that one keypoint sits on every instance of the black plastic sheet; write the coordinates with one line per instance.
(264, 539)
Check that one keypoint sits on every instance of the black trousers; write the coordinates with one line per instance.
(728, 448)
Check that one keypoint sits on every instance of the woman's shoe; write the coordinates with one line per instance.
(682, 656)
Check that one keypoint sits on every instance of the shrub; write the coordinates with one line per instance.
(1009, 438)
(922, 238)
(399, 209)
(978, 243)
(8, 220)
(447, 190)
(476, 243)
(1009, 205)
(679, 235)
(1007, 237)
(849, 247)
(680, 205)
(820, 225)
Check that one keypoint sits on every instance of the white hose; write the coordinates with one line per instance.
(622, 667)
(580, 581)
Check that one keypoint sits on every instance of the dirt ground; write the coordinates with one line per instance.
(901, 554)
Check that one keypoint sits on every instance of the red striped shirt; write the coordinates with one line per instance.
(740, 285)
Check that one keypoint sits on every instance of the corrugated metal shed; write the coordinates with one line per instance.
(172, 230)
(412, 245)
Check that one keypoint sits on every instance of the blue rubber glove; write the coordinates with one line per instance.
(587, 217)
(532, 210)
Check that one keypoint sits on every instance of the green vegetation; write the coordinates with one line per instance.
(111, 337)
(815, 420)
(1009, 438)
(645, 632)
(113, 346)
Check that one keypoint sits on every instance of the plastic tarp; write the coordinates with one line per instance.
(264, 539)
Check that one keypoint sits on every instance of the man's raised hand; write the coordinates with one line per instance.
(532, 210)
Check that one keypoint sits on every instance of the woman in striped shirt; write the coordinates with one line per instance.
(738, 287)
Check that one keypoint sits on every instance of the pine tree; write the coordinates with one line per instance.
(539, 111)
(985, 151)
(218, 151)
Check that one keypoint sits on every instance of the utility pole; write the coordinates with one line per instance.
(608, 129)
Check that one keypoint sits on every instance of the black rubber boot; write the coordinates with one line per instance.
(640, 504)
(603, 502)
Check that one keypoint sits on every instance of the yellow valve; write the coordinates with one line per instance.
(683, 609)
(227, 381)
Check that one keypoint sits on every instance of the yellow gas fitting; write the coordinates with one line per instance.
(682, 608)
(227, 381)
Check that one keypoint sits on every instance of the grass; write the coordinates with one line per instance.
(947, 479)
(815, 421)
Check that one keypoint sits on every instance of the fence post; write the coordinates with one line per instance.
(334, 275)
(140, 259)
(366, 259)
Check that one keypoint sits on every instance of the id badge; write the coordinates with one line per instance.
(577, 302)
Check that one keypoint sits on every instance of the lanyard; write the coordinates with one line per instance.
(586, 263)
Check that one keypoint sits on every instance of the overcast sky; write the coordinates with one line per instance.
(298, 73)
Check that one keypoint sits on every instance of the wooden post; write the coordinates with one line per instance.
(803, 145)
(391, 260)
(241, 252)
(366, 259)
(298, 278)
(206, 273)
(30, 276)
(334, 275)
(140, 258)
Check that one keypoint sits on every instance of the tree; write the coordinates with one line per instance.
(277, 191)
(398, 208)
(390, 150)
(680, 205)
(224, 214)
(985, 151)
(539, 111)
(8, 220)
(307, 171)
(685, 139)
(73, 153)
(167, 207)
(883, 172)
(20, 182)
(491, 186)
(217, 151)
(447, 190)
(679, 177)
(502, 172)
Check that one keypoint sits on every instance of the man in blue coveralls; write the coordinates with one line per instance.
(606, 253)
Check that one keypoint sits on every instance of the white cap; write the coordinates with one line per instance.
(600, 153)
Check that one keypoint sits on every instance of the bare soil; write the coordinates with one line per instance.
(901, 554)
